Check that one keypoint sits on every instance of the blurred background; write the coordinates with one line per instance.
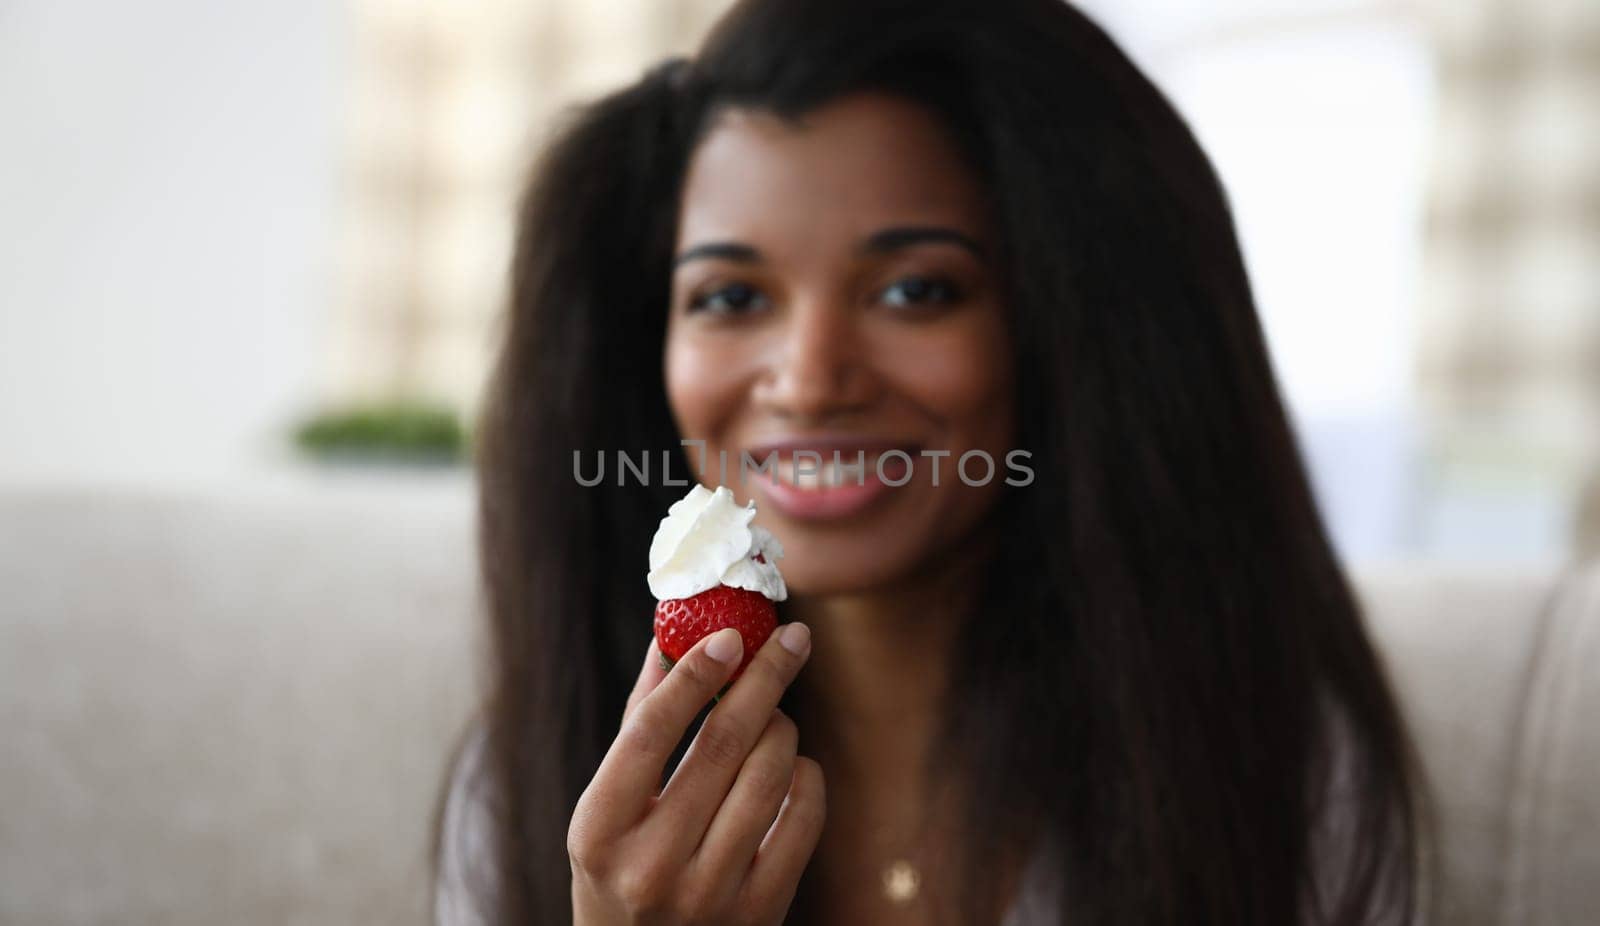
(251, 260)
(221, 222)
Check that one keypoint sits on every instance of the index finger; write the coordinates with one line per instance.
(630, 772)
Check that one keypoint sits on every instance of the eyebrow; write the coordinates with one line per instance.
(721, 250)
(883, 242)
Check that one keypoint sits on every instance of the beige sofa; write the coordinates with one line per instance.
(233, 705)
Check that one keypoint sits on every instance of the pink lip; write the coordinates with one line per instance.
(827, 503)
(826, 444)
(820, 504)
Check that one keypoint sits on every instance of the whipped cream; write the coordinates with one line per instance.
(707, 540)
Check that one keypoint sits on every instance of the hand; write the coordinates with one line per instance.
(726, 840)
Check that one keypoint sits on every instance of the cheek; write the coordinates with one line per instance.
(962, 375)
(703, 382)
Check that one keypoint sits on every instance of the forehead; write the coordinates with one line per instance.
(847, 168)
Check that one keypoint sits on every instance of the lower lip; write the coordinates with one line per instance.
(823, 504)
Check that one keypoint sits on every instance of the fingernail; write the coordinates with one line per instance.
(795, 637)
(725, 645)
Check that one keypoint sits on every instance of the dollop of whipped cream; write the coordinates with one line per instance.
(707, 540)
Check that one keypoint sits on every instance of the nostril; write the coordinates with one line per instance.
(816, 393)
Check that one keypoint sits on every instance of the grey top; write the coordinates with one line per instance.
(466, 884)
(467, 865)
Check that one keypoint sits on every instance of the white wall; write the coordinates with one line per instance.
(1317, 115)
(167, 201)
(166, 191)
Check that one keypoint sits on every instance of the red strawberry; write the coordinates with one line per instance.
(683, 622)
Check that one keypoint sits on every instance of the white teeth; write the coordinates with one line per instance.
(807, 475)
(802, 474)
(829, 474)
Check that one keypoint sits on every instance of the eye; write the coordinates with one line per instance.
(913, 291)
(732, 299)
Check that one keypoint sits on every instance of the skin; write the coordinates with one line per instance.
(690, 853)
(795, 317)
(816, 334)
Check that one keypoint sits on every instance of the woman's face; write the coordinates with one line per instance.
(833, 290)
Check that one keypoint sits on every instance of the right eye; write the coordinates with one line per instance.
(732, 299)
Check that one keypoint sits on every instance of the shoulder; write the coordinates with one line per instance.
(1357, 846)
(1041, 894)
(466, 883)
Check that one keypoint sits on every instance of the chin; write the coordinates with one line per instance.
(836, 572)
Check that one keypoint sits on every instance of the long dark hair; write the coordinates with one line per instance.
(1169, 677)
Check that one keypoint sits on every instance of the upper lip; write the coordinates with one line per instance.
(828, 444)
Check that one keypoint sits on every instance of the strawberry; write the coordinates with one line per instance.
(683, 622)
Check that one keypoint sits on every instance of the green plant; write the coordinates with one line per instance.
(402, 430)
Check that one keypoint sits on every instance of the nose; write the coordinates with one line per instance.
(820, 369)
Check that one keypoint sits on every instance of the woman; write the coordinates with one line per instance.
(1133, 688)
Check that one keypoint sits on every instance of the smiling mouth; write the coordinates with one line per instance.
(824, 467)
(805, 474)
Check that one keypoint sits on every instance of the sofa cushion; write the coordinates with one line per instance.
(1494, 670)
(229, 707)
(236, 706)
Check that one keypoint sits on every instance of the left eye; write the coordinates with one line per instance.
(920, 291)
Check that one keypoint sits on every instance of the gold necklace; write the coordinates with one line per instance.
(900, 878)
(901, 881)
